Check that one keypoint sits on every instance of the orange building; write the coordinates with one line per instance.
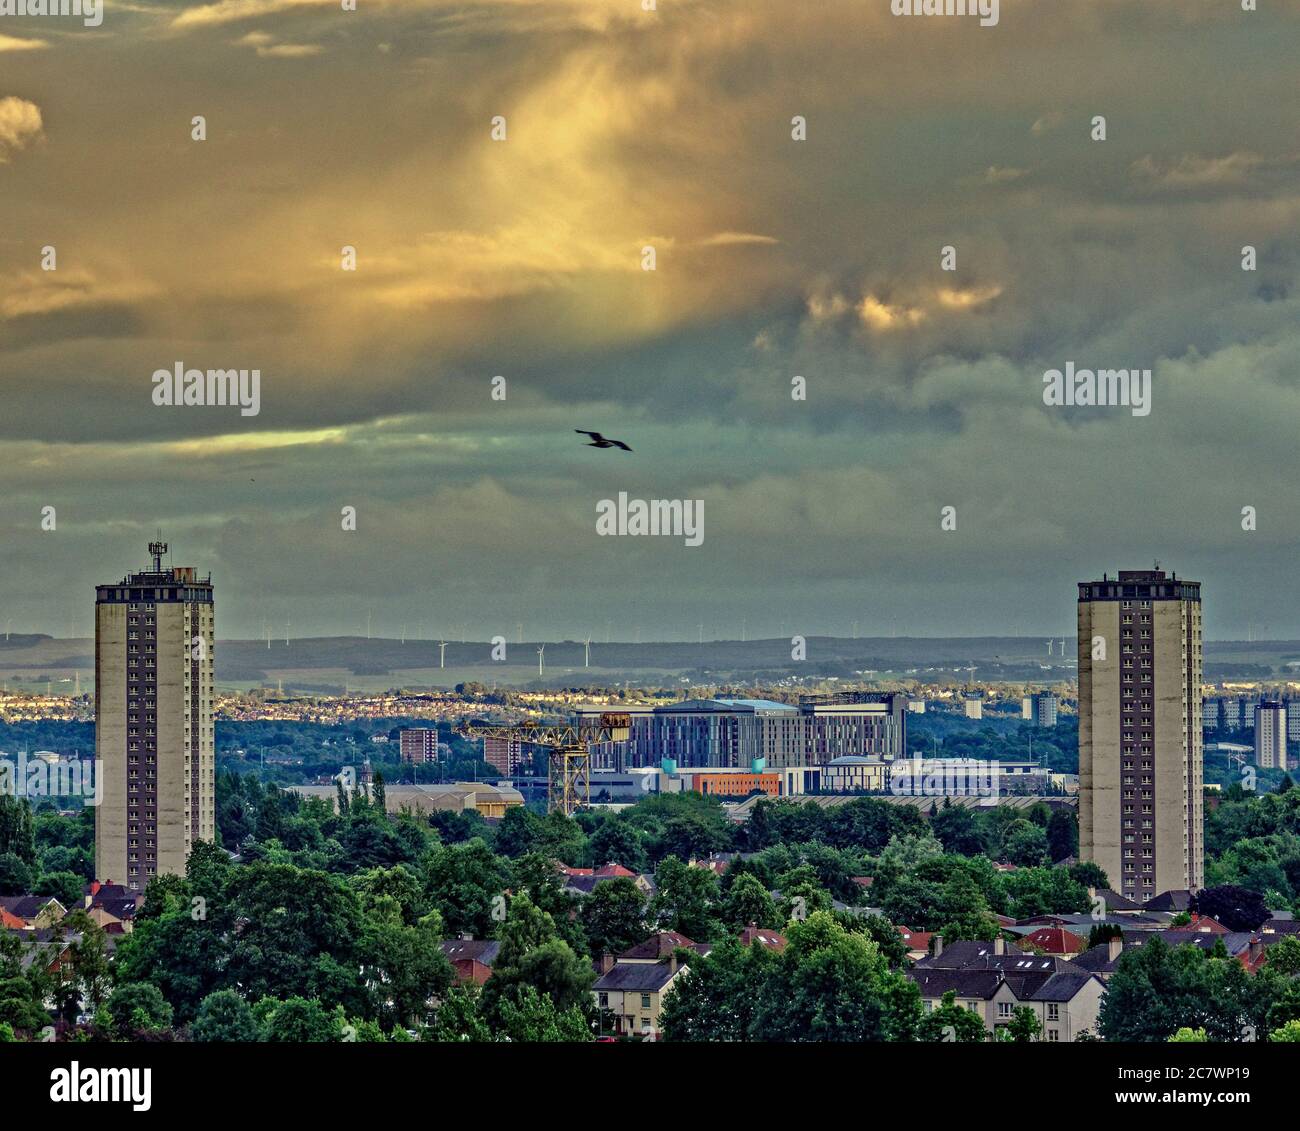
(737, 785)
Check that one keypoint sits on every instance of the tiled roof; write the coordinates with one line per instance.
(1056, 940)
(642, 976)
(660, 945)
(1096, 959)
(1177, 900)
(767, 937)
(1061, 987)
(476, 950)
(959, 954)
(26, 906)
(982, 984)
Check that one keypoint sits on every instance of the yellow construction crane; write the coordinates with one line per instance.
(569, 746)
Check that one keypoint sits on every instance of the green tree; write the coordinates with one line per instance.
(225, 1017)
(616, 841)
(714, 999)
(748, 901)
(613, 916)
(1062, 834)
(532, 955)
(1024, 1025)
(952, 1023)
(1025, 844)
(533, 1017)
(17, 877)
(1284, 956)
(830, 984)
(957, 830)
(405, 970)
(1188, 1036)
(297, 1021)
(66, 887)
(17, 829)
(686, 900)
(458, 1018)
(463, 881)
(138, 1006)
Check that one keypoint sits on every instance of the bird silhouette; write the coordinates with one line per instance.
(599, 441)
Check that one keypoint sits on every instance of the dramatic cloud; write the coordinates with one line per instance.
(500, 170)
(20, 125)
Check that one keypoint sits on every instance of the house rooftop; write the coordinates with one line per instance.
(642, 976)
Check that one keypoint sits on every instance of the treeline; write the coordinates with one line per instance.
(40, 851)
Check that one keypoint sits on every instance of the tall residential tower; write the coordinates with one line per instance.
(1141, 805)
(153, 721)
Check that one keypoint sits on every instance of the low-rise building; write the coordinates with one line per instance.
(419, 746)
(993, 979)
(472, 959)
(31, 912)
(634, 992)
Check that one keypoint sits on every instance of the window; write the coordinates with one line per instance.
(1053, 1011)
(645, 1001)
(1004, 1009)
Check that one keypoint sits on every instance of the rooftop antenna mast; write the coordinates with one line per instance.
(157, 549)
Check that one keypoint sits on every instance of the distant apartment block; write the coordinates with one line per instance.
(1040, 709)
(1292, 719)
(1270, 735)
(154, 634)
(505, 755)
(419, 746)
(973, 706)
(1141, 807)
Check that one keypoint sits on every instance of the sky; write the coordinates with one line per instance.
(774, 258)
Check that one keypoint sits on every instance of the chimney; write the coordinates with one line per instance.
(1113, 947)
(606, 962)
(938, 945)
(999, 945)
(1256, 950)
(672, 963)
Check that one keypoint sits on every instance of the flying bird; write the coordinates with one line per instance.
(599, 441)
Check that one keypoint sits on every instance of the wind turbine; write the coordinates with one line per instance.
(519, 633)
(286, 632)
(442, 653)
(586, 653)
(540, 653)
(368, 624)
